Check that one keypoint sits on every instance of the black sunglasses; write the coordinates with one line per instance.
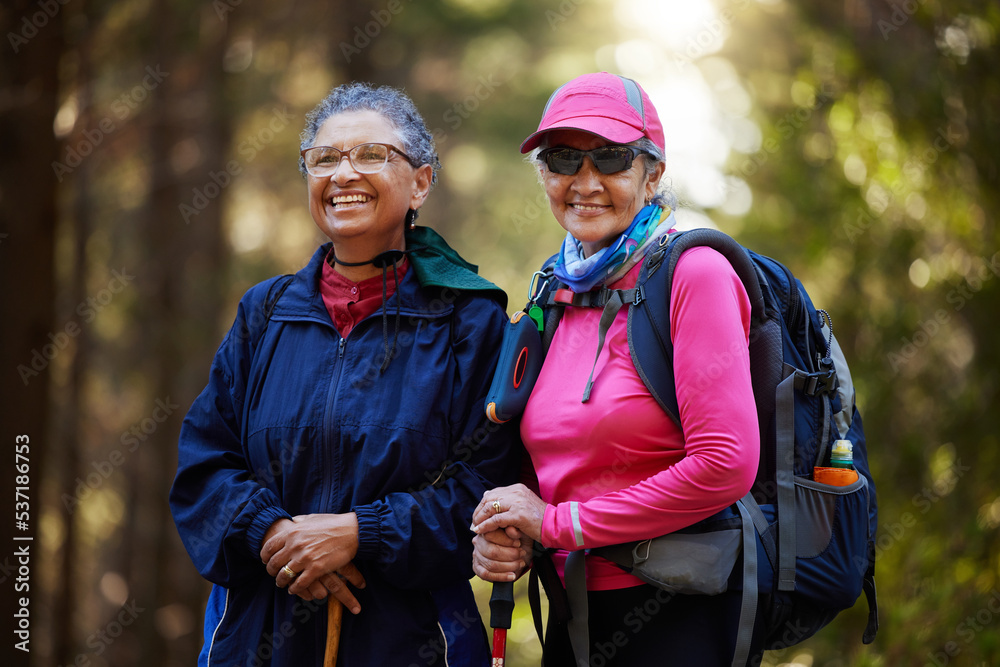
(608, 159)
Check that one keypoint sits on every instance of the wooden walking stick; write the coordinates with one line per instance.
(334, 616)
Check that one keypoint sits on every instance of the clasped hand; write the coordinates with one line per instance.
(506, 521)
(319, 549)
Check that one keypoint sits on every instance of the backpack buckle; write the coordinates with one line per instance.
(816, 383)
(564, 296)
(640, 295)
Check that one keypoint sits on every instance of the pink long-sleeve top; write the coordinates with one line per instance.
(617, 468)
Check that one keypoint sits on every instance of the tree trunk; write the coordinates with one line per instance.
(30, 339)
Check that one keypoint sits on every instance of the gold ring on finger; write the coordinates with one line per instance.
(496, 507)
(290, 572)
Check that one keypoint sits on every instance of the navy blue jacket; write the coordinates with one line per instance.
(297, 420)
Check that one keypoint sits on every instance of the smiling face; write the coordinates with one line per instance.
(594, 207)
(363, 213)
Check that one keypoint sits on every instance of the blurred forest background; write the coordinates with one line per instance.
(148, 177)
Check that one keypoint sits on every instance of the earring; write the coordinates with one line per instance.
(411, 218)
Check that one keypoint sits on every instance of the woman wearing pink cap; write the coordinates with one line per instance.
(614, 467)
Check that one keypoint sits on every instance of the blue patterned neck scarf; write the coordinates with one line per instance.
(582, 274)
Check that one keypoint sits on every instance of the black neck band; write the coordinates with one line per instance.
(382, 260)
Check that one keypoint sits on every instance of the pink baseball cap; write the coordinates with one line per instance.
(608, 105)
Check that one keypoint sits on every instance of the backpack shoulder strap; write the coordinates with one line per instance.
(737, 255)
(259, 320)
(649, 320)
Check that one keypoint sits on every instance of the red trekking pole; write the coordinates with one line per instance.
(501, 611)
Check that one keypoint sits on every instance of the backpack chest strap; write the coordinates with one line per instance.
(596, 299)
(611, 301)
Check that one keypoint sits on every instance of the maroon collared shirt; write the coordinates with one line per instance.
(349, 302)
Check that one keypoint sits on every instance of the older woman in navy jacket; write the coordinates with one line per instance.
(339, 447)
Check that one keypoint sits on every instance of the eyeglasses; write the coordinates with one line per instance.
(322, 161)
(608, 159)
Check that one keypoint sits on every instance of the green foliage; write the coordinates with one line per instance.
(882, 195)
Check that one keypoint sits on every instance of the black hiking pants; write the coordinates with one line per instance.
(644, 625)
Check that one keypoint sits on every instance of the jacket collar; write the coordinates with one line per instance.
(438, 265)
(428, 291)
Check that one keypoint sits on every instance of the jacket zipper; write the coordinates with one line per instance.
(331, 454)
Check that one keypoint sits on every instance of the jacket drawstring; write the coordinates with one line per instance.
(389, 351)
(384, 261)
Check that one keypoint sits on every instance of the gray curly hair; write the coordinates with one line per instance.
(392, 104)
